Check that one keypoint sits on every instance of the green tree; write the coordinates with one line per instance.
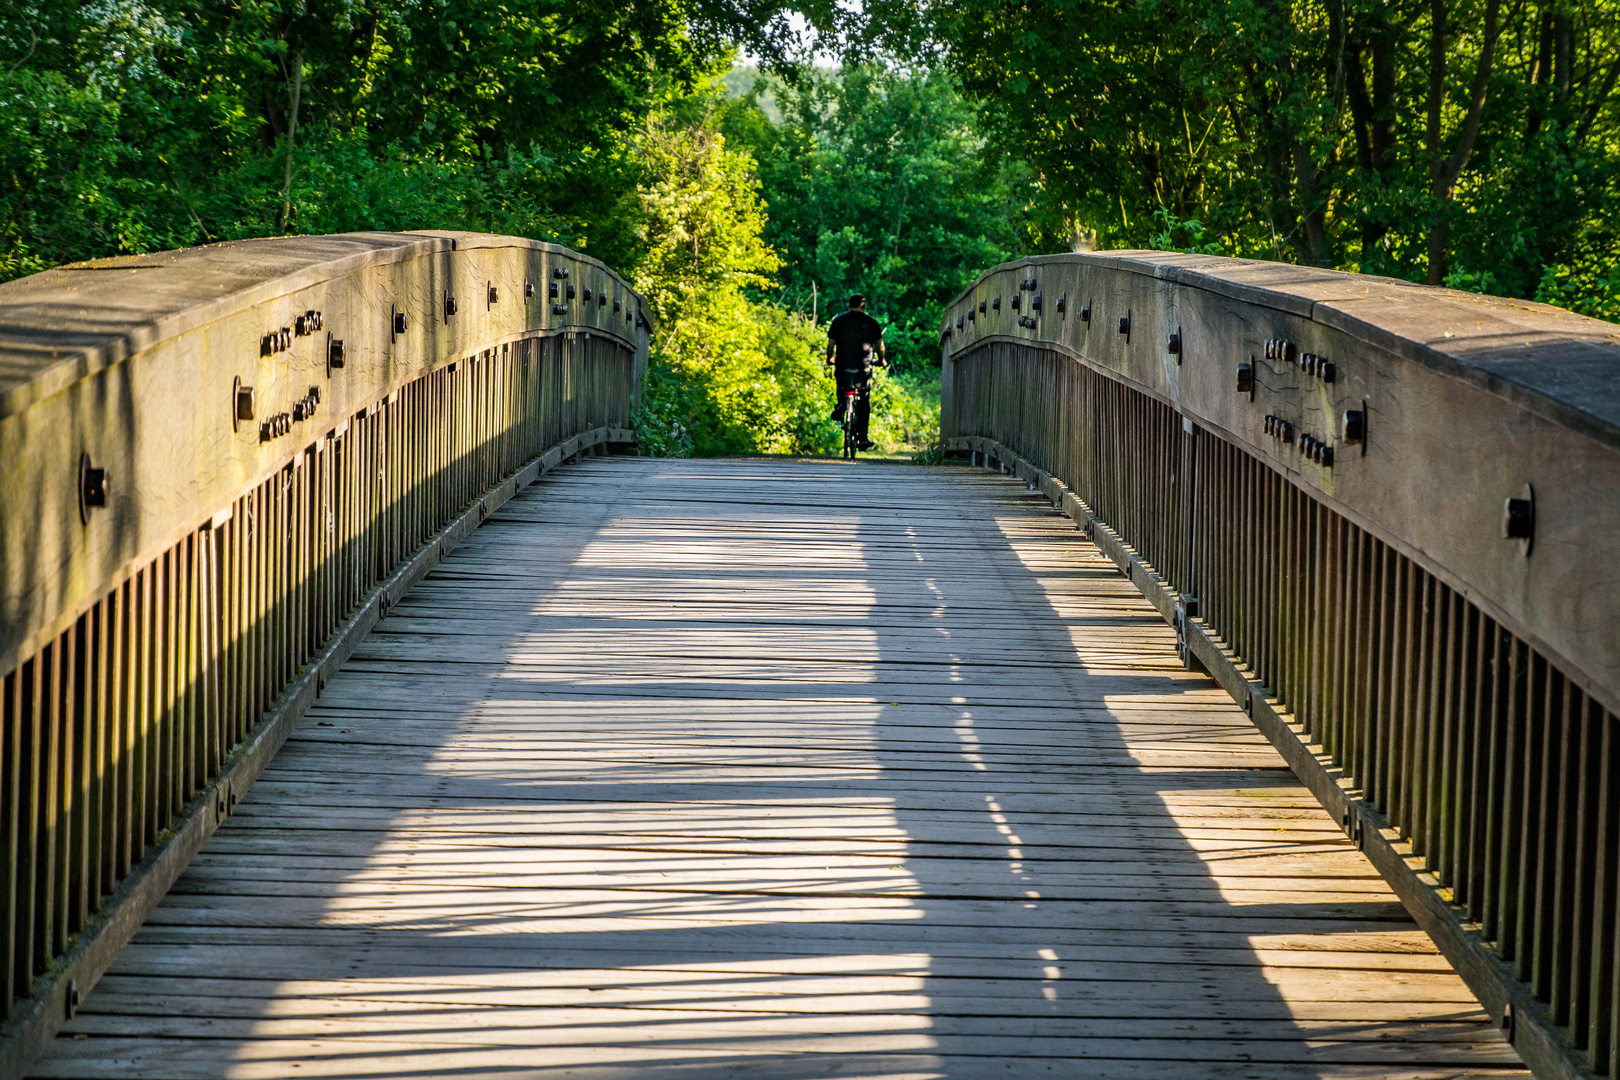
(877, 182)
(140, 124)
(1454, 141)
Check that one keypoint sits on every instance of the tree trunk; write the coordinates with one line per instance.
(1438, 253)
(292, 133)
(1361, 110)
(1563, 53)
(1384, 132)
(1312, 212)
(1540, 75)
(1445, 171)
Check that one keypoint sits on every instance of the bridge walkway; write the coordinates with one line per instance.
(787, 770)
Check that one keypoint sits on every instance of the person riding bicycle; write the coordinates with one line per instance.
(854, 347)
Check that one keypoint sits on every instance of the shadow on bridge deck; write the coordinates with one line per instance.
(782, 770)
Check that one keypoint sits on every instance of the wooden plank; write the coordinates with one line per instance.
(695, 767)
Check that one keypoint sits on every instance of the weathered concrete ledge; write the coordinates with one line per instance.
(134, 365)
(1464, 401)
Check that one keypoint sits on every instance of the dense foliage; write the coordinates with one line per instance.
(741, 327)
(878, 183)
(1459, 141)
(1467, 142)
(133, 125)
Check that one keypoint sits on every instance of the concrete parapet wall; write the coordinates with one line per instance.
(1467, 401)
(133, 362)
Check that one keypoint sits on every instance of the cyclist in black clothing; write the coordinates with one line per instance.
(854, 347)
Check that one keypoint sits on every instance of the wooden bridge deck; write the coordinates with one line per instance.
(785, 770)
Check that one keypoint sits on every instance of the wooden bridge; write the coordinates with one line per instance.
(1150, 738)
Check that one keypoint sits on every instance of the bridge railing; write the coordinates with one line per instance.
(1387, 518)
(220, 466)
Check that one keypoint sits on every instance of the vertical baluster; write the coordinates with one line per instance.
(300, 539)
(430, 413)
(1538, 829)
(432, 466)
(247, 574)
(1451, 714)
(211, 586)
(1258, 570)
(1561, 811)
(1342, 634)
(442, 467)
(314, 551)
(1485, 818)
(47, 747)
(31, 855)
(355, 514)
(1509, 751)
(1318, 608)
(1401, 679)
(1225, 527)
(233, 600)
(190, 728)
(388, 488)
(417, 451)
(61, 759)
(110, 818)
(1403, 675)
(241, 578)
(1473, 708)
(1437, 779)
(321, 547)
(1353, 714)
(1240, 566)
(1274, 544)
(1278, 544)
(1222, 549)
(1420, 712)
(1294, 563)
(1302, 564)
(291, 541)
(331, 534)
(375, 493)
(1198, 565)
(1273, 548)
(1380, 672)
(167, 638)
(275, 582)
(53, 791)
(1334, 631)
(447, 467)
(403, 479)
(358, 511)
(85, 722)
(17, 713)
(132, 796)
(340, 450)
(260, 549)
(1604, 969)
(1576, 935)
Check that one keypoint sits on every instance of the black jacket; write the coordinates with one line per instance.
(855, 336)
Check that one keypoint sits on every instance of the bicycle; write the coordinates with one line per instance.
(846, 420)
